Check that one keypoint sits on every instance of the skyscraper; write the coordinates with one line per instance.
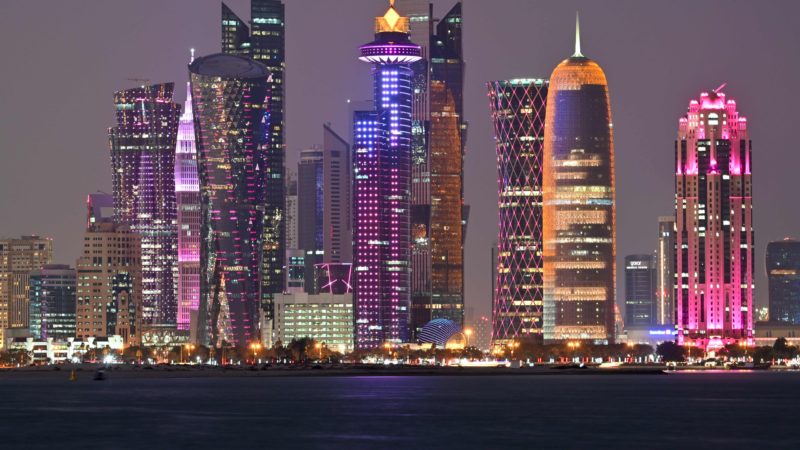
(783, 272)
(437, 187)
(382, 188)
(143, 174)
(714, 224)
(518, 112)
(291, 210)
(310, 215)
(336, 222)
(52, 302)
(640, 289)
(665, 271)
(18, 257)
(231, 119)
(579, 230)
(187, 195)
(264, 42)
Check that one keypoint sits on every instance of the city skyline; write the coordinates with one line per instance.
(644, 146)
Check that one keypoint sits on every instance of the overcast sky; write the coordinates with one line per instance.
(64, 60)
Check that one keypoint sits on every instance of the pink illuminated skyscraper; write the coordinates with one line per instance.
(714, 225)
(187, 195)
(382, 188)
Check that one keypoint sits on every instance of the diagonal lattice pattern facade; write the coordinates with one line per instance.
(518, 111)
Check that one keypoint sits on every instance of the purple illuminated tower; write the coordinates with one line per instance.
(143, 163)
(382, 188)
(714, 225)
(187, 195)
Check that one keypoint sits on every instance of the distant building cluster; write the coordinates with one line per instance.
(208, 238)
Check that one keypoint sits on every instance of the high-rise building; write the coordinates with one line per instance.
(18, 257)
(665, 271)
(438, 213)
(232, 122)
(187, 196)
(99, 209)
(783, 273)
(264, 42)
(640, 290)
(334, 278)
(143, 174)
(295, 270)
(291, 210)
(382, 188)
(579, 225)
(310, 214)
(52, 302)
(714, 225)
(337, 228)
(109, 283)
(518, 112)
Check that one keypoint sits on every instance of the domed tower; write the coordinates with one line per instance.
(579, 229)
(382, 188)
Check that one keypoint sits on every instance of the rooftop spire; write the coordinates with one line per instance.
(577, 53)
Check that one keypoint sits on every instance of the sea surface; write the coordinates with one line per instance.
(684, 410)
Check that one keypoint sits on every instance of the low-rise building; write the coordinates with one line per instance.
(325, 317)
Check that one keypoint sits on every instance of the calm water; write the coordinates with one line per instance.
(734, 410)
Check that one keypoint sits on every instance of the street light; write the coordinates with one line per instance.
(318, 346)
(467, 334)
(513, 345)
(255, 346)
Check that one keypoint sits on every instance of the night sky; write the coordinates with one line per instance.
(63, 61)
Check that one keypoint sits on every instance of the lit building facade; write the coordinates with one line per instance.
(291, 210)
(310, 214)
(714, 225)
(579, 225)
(229, 103)
(143, 174)
(18, 257)
(264, 42)
(640, 290)
(438, 214)
(337, 240)
(518, 111)
(783, 273)
(326, 318)
(334, 278)
(665, 271)
(382, 188)
(51, 303)
(187, 196)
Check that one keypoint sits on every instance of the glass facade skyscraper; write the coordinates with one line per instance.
(518, 111)
(231, 118)
(52, 302)
(714, 225)
(264, 42)
(640, 289)
(579, 230)
(665, 271)
(783, 273)
(438, 214)
(187, 195)
(382, 188)
(143, 174)
(310, 214)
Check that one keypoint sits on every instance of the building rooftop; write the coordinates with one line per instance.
(229, 66)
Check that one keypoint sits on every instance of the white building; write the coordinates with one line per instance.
(326, 318)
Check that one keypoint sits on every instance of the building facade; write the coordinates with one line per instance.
(51, 304)
(714, 224)
(109, 284)
(337, 227)
(187, 196)
(326, 318)
(438, 214)
(783, 274)
(382, 188)
(310, 211)
(143, 174)
(665, 271)
(18, 257)
(579, 224)
(518, 111)
(640, 291)
(264, 42)
(230, 106)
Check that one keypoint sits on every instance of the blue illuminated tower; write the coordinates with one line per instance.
(382, 188)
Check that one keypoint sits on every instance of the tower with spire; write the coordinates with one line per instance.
(382, 188)
(187, 196)
(579, 219)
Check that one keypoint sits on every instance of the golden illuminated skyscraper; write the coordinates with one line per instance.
(579, 213)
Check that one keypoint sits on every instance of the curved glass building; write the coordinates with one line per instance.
(579, 217)
(231, 119)
(518, 113)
